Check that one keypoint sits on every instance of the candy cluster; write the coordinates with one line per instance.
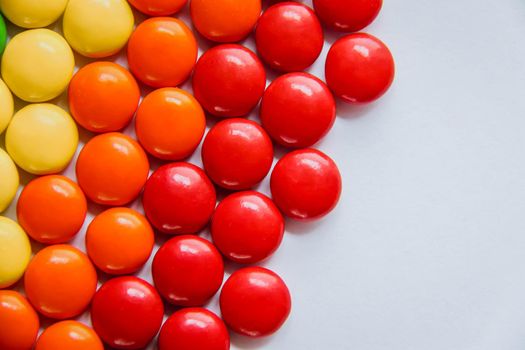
(296, 110)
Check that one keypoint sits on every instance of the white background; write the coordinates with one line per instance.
(426, 249)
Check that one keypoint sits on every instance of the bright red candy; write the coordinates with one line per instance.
(297, 110)
(179, 198)
(229, 80)
(255, 302)
(289, 37)
(306, 184)
(237, 154)
(188, 270)
(359, 68)
(127, 312)
(194, 329)
(247, 227)
(347, 15)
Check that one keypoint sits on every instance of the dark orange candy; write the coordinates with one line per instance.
(51, 209)
(103, 97)
(18, 320)
(112, 168)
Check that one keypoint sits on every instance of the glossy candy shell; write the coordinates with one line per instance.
(15, 252)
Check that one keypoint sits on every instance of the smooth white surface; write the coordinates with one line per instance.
(426, 249)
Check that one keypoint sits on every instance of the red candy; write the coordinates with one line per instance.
(359, 68)
(194, 329)
(255, 302)
(158, 7)
(188, 271)
(247, 227)
(229, 80)
(127, 313)
(289, 37)
(179, 198)
(347, 15)
(297, 110)
(237, 154)
(306, 184)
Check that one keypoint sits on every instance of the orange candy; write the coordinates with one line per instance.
(69, 335)
(60, 281)
(158, 7)
(103, 97)
(51, 209)
(225, 21)
(112, 168)
(170, 123)
(18, 322)
(162, 52)
(119, 241)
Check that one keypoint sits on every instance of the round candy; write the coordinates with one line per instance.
(170, 123)
(103, 97)
(237, 154)
(194, 329)
(60, 281)
(127, 312)
(255, 302)
(188, 270)
(179, 198)
(119, 241)
(112, 169)
(19, 322)
(69, 335)
(3, 34)
(359, 68)
(229, 80)
(6, 104)
(289, 37)
(97, 28)
(15, 252)
(247, 227)
(10, 180)
(225, 20)
(42, 139)
(37, 65)
(306, 184)
(162, 52)
(347, 15)
(297, 110)
(33, 13)
(158, 7)
(51, 209)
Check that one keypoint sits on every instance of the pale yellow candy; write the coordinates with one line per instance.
(9, 180)
(33, 13)
(37, 65)
(15, 252)
(42, 139)
(98, 28)
(6, 106)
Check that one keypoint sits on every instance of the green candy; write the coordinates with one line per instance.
(3, 34)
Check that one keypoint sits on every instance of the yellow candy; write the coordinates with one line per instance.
(98, 28)
(33, 13)
(42, 139)
(37, 65)
(15, 252)
(6, 106)
(9, 180)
